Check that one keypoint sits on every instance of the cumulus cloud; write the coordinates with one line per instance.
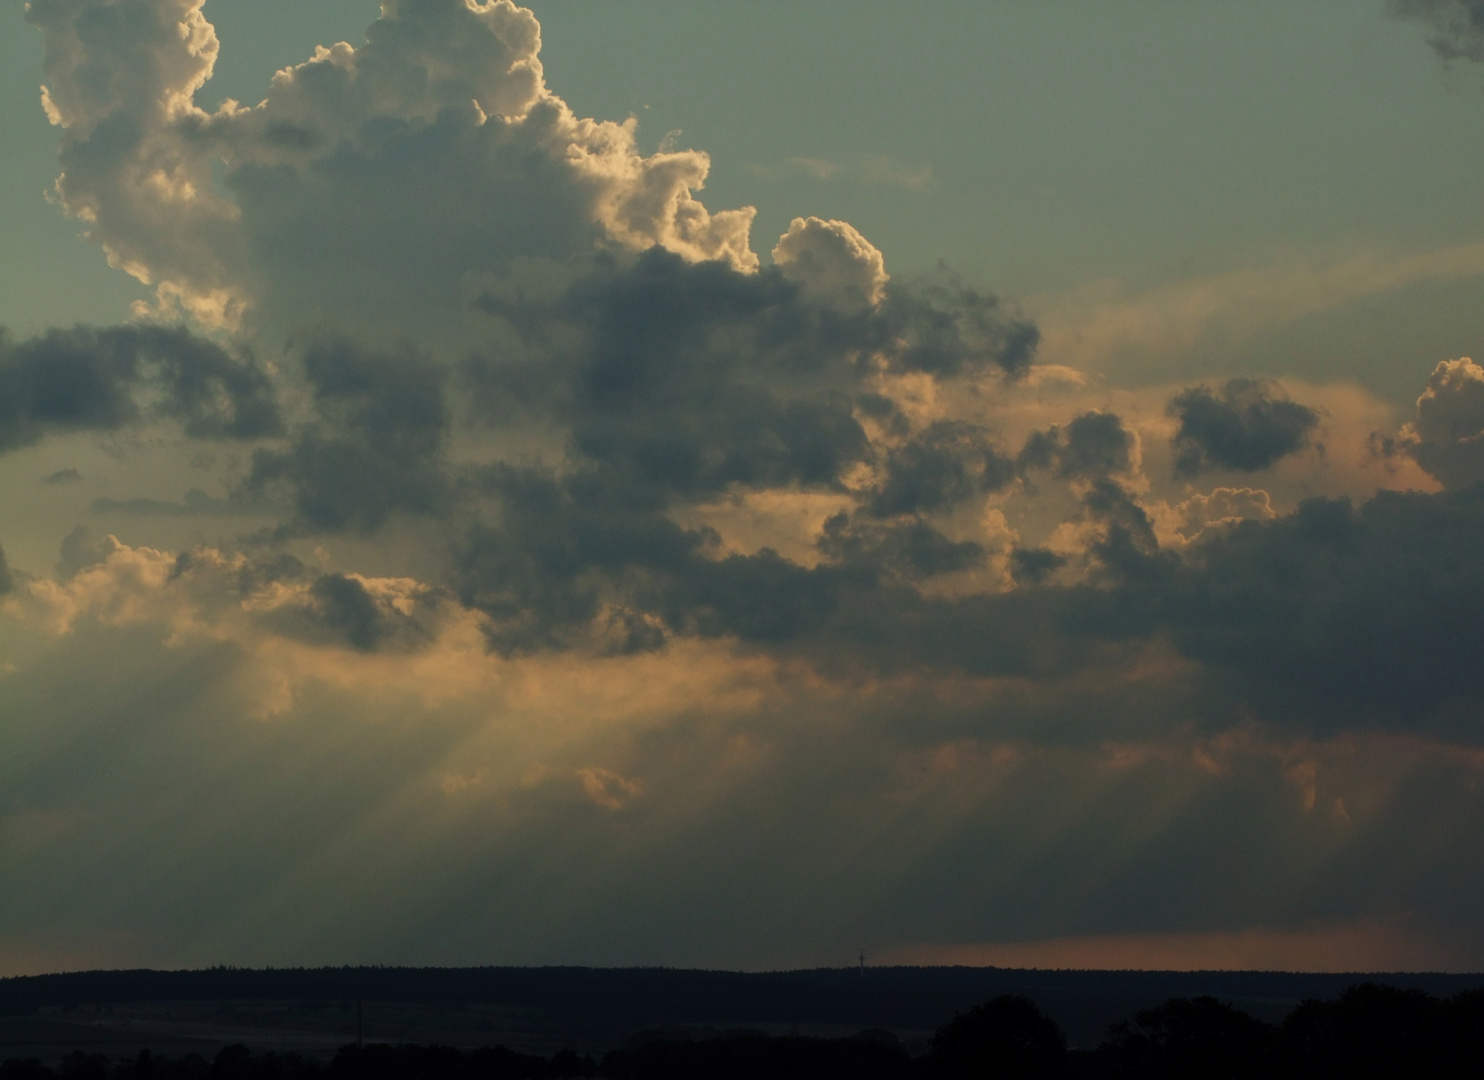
(833, 261)
(669, 376)
(374, 448)
(1341, 615)
(943, 465)
(434, 147)
(207, 594)
(1092, 446)
(678, 383)
(1223, 506)
(911, 549)
(1247, 425)
(1447, 435)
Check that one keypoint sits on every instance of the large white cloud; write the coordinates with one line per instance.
(832, 260)
(1447, 435)
(431, 151)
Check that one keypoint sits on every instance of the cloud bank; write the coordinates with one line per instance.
(611, 594)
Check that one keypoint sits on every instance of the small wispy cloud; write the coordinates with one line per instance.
(880, 169)
(817, 168)
(872, 170)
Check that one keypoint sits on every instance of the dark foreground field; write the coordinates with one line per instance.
(660, 1024)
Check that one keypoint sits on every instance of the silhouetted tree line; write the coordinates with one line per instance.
(1369, 1031)
(607, 1004)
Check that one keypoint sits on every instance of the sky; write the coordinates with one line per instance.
(740, 485)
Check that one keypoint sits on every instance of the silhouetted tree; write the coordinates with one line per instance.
(407, 1062)
(759, 1058)
(502, 1063)
(1465, 1020)
(1370, 1031)
(25, 1069)
(80, 1066)
(1007, 1038)
(1189, 1037)
(232, 1063)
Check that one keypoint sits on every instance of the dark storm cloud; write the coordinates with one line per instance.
(678, 381)
(761, 599)
(345, 609)
(7, 579)
(1331, 618)
(947, 328)
(939, 468)
(1458, 25)
(1446, 434)
(694, 377)
(571, 550)
(567, 551)
(561, 547)
(296, 601)
(1128, 549)
(88, 379)
(1246, 425)
(62, 476)
(500, 194)
(1350, 615)
(1334, 618)
(375, 450)
(675, 382)
(1091, 446)
(913, 549)
(1031, 566)
(1094, 445)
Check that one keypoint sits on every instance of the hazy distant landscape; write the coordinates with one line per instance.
(876, 1022)
(544, 1010)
